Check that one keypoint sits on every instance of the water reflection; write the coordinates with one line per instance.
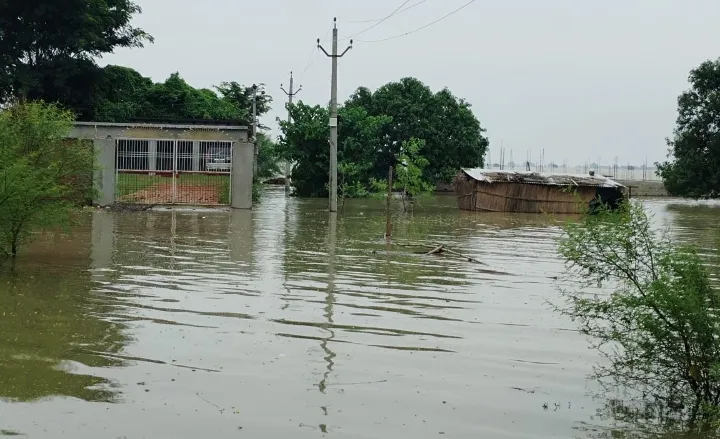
(288, 321)
(54, 329)
(329, 302)
(241, 238)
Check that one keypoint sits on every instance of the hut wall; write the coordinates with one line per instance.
(465, 187)
(531, 198)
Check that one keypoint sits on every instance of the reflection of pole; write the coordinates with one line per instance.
(388, 223)
(173, 235)
(329, 305)
(285, 268)
(102, 244)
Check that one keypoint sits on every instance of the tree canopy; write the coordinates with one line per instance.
(48, 51)
(372, 129)
(305, 142)
(452, 136)
(123, 95)
(47, 47)
(693, 168)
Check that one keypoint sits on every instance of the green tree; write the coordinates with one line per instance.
(452, 135)
(409, 175)
(124, 95)
(176, 100)
(267, 157)
(47, 47)
(660, 327)
(305, 142)
(120, 95)
(694, 151)
(241, 97)
(43, 176)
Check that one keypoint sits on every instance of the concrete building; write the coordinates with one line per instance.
(170, 149)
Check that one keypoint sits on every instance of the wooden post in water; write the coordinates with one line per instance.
(388, 224)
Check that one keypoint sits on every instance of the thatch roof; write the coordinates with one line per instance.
(541, 178)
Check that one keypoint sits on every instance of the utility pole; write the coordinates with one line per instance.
(290, 94)
(254, 127)
(333, 113)
(254, 131)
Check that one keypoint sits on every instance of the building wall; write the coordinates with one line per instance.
(105, 135)
(531, 198)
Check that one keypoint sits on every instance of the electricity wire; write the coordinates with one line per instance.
(399, 12)
(380, 21)
(423, 27)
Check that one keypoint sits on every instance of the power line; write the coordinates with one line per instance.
(311, 60)
(399, 12)
(379, 22)
(423, 27)
(309, 63)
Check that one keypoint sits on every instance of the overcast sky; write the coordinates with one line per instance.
(580, 78)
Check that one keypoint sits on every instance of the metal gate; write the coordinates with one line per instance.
(165, 171)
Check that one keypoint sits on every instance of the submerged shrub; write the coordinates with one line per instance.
(660, 327)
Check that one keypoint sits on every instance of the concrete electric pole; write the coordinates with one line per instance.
(254, 128)
(333, 113)
(290, 94)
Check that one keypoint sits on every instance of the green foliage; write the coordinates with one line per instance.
(241, 98)
(305, 142)
(123, 95)
(349, 181)
(268, 157)
(694, 168)
(373, 129)
(47, 47)
(409, 174)
(43, 176)
(660, 327)
(256, 190)
(451, 134)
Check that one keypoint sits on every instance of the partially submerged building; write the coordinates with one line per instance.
(533, 192)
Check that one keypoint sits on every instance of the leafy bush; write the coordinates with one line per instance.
(660, 327)
(43, 175)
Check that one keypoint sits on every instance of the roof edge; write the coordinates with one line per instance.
(162, 126)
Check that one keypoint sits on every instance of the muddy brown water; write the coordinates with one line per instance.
(286, 323)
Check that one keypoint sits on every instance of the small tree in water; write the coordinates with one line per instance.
(43, 175)
(660, 327)
(408, 175)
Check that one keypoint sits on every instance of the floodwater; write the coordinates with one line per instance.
(287, 322)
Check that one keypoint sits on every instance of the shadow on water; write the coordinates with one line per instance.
(51, 322)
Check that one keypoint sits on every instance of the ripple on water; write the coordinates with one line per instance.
(288, 322)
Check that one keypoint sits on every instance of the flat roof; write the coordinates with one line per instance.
(166, 126)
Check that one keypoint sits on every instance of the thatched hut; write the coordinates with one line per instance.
(533, 192)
